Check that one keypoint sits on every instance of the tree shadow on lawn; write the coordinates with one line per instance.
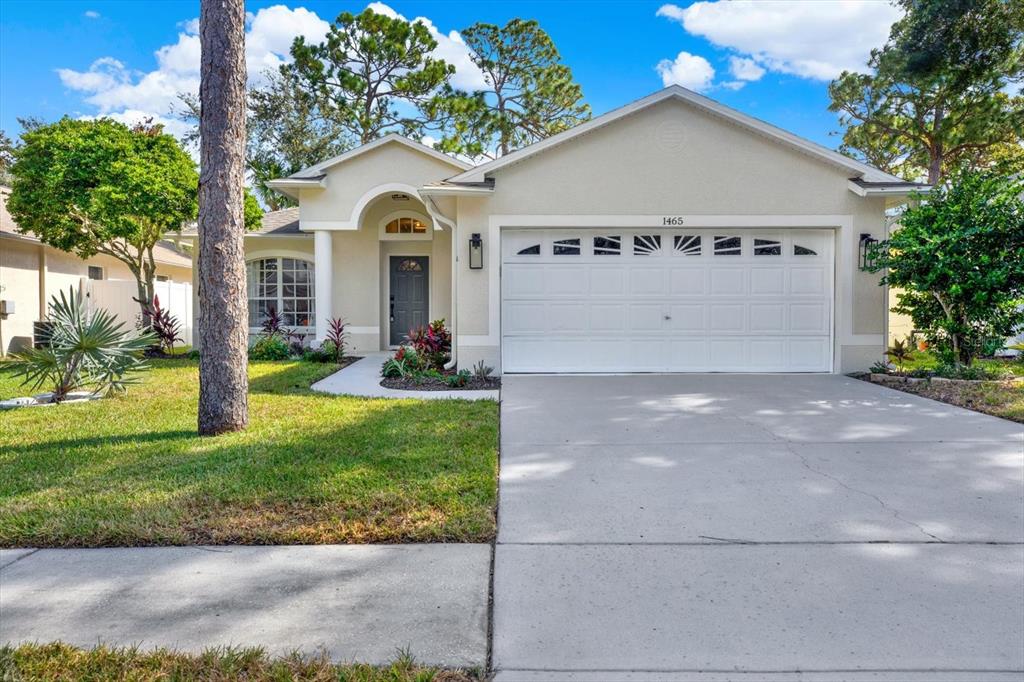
(341, 470)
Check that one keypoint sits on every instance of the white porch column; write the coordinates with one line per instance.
(323, 263)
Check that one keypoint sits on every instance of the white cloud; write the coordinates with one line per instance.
(732, 85)
(688, 70)
(450, 47)
(745, 69)
(91, 14)
(130, 96)
(815, 40)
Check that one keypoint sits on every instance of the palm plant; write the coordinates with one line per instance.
(84, 351)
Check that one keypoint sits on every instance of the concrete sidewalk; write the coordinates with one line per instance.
(359, 603)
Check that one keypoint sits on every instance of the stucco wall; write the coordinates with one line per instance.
(19, 275)
(672, 159)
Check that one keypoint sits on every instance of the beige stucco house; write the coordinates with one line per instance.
(32, 272)
(674, 234)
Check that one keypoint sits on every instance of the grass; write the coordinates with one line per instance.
(311, 468)
(58, 661)
(999, 398)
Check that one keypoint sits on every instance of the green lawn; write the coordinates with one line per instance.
(59, 661)
(310, 468)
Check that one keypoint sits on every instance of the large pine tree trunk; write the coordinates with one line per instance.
(223, 314)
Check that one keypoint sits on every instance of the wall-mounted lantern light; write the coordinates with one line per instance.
(476, 252)
(867, 256)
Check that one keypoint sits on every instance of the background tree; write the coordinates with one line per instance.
(530, 93)
(91, 187)
(959, 260)
(372, 75)
(289, 131)
(937, 99)
(7, 148)
(223, 313)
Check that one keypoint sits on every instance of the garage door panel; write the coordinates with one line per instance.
(770, 281)
(728, 281)
(807, 281)
(687, 281)
(726, 317)
(767, 317)
(689, 317)
(609, 316)
(767, 355)
(655, 307)
(608, 281)
(647, 281)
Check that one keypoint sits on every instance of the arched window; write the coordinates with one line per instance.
(405, 226)
(284, 285)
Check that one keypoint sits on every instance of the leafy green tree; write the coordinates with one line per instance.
(958, 258)
(935, 100)
(288, 131)
(530, 93)
(7, 148)
(373, 74)
(91, 187)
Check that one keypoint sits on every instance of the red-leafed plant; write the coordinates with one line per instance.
(433, 343)
(163, 324)
(336, 338)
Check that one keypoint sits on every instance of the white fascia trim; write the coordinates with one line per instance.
(479, 173)
(370, 146)
(455, 191)
(885, 191)
(844, 253)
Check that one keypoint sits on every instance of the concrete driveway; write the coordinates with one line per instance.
(713, 527)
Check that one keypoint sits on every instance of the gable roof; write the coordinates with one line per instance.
(317, 171)
(710, 106)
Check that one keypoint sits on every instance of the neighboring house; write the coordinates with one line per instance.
(673, 234)
(31, 273)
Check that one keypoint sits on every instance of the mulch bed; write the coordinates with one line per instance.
(430, 384)
(988, 397)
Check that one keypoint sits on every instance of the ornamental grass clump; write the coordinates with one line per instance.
(85, 351)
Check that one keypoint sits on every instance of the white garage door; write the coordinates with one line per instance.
(616, 300)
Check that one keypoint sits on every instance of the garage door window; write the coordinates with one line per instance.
(607, 246)
(767, 247)
(687, 244)
(727, 246)
(529, 251)
(646, 244)
(566, 247)
(803, 251)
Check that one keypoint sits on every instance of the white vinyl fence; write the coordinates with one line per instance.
(117, 297)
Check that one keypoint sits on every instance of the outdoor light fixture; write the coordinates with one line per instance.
(476, 252)
(867, 260)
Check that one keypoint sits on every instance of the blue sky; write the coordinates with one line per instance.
(770, 59)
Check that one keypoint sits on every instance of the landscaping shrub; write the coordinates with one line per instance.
(270, 347)
(459, 379)
(958, 257)
(84, 351)
(164, 325)
(337, 336)
(433, 343)
(405, 363)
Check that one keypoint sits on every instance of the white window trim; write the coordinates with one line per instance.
(405, 213)
(308, 330)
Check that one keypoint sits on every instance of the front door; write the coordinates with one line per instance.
(409, 296)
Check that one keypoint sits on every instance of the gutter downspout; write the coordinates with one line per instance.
(437, 216)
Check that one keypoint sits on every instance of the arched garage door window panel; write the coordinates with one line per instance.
(284, 285)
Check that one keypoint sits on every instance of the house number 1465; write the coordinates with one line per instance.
(672, 221)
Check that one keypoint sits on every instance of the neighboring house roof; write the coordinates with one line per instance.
(164, 252)
(316, 173)
(283, 223)
(858, 169)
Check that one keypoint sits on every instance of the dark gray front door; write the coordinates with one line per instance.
(409, 295)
